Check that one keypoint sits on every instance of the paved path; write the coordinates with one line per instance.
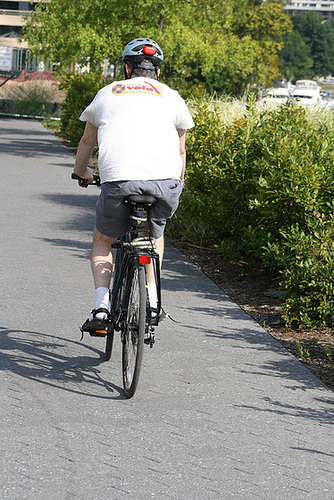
(222, 410)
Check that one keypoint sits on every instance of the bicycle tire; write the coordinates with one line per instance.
(134, 329)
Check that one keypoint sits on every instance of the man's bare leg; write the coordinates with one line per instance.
(101, 264)
(152, 291)
(101, 259)
(160, 246)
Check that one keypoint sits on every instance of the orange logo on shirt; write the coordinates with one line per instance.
(146, 88)
(118, 89)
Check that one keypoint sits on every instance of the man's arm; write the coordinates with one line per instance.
(84, 152)
(182, 136)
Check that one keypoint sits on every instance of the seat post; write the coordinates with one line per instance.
(138, 217)
(140, 205)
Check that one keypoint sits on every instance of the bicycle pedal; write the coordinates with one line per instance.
(150, 338)
(97, 333)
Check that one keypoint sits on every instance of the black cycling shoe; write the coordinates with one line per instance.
(96, 326)
(157, 316)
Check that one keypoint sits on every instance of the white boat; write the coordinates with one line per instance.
(307, 92)
(307, 83)
(276, 96)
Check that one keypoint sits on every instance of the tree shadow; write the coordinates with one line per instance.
(82, 201)
(34, 143)
(39, 357)
(178, 275)
(33, 148)
(224, 320)
(82, 219)
(322, 415)
(82, 216)
(310, 450)
(79, 249)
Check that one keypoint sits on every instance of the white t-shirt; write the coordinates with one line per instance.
(137, 123)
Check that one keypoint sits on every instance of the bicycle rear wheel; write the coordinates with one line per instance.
(134, 330)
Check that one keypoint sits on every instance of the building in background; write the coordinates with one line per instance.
(324, 8)
(14, 56)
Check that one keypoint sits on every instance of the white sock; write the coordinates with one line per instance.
(152, 294)
(102, 300)
(102, 297)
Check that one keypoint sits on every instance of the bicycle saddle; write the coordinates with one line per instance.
(141, 198)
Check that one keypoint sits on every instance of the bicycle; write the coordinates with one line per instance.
(130, 311)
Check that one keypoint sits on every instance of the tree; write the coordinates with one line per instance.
(295, 58)
(245, 46)
(311, 28)
(311, 40)
(227, 41)
(90, 31)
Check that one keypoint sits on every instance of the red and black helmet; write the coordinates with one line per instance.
(143, 48)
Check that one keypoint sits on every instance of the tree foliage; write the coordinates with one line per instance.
(296, 60)
(308, 49)
(226, 44)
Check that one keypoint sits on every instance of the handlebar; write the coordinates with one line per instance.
(96, 179)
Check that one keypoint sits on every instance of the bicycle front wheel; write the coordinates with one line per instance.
(134, 330)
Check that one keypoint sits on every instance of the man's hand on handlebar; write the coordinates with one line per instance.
(96, 181)
(87, 178)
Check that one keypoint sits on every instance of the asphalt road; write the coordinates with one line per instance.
(221, 411)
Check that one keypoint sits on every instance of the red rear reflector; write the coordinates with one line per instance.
(149, 51)
(144, 259)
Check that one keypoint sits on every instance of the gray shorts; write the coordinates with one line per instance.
(112, 214)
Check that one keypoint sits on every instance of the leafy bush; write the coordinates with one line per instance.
(80, 91)
(307, 262)
(204, 205)
(262, 188)
(35, 98)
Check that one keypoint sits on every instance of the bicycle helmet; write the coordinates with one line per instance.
(143, 53)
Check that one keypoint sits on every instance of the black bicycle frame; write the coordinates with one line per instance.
(126, 254)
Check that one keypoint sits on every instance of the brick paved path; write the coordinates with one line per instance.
(222, 410)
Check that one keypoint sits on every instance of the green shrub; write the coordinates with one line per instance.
(261, 188)
(80, 91)
(35, 98)
(194, 219)
(295, 175)
(307, 262)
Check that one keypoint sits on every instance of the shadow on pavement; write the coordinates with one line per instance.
(23, 130)
(32, 148)
(45, 359)
(80, 249)
(321, 415)
(73, 200)
(82, 216)
(181, 275)
(33, 144)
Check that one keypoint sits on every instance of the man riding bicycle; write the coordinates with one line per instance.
(140, 125)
